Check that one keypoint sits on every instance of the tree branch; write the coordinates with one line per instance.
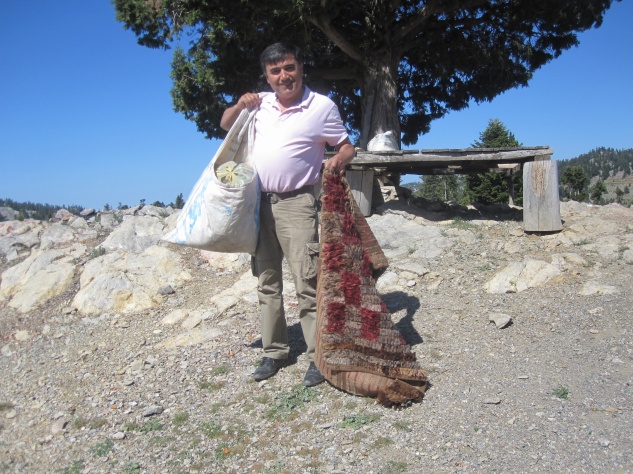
(323, 23)
(428, 10)
(336, 74)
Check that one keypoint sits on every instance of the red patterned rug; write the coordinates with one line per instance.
(358, 348)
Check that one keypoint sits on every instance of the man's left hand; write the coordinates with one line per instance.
(343, 158)
(335, 164)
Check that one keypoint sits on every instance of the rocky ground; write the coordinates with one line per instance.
(547, 388)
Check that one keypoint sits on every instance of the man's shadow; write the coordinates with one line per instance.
(397, 301)
(295, 340)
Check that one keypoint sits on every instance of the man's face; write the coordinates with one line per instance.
(286, 79)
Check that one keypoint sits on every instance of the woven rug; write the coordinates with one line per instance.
(358, 348)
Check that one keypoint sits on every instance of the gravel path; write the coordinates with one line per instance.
(550, 392)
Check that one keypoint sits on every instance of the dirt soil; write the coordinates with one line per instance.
(551, 392)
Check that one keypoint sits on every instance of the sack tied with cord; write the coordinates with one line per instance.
(222, 211)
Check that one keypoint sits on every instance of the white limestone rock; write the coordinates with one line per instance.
(107, 220)
(78, 223)
(175, 317)
(519, 276)
(189, 338)
(412, 267)
(63, 214)
(43, 275)
(62, 235)
(501, 320)
(387, 281)
(87, 212)
(242, 288)
(595, 288)
(18, 237)
(57, 235)
(8, 214)
(170, 221)
(135, 234)
(127, 283)
(228, 261)
(404, 239)
(155, 211)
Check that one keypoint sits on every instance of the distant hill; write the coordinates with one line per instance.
(613, 167)
(34, 210)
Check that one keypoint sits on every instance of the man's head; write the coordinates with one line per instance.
(282, 65)
(277, 52)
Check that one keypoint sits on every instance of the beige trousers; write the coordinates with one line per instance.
(288, 227)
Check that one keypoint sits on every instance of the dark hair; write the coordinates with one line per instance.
(277, 52)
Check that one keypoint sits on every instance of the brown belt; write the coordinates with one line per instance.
(274, 198)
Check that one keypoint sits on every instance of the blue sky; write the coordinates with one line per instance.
(86, 116)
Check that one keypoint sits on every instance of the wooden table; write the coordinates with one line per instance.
(541, 205)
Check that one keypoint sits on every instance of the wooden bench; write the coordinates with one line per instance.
(541, 205)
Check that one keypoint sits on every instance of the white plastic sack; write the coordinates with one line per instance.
(383, 142)
(218, 217)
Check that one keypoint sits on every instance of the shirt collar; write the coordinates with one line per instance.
(306, 98)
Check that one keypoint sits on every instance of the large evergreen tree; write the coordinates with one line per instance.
(574, 181)
(596, 192)
(489, 188)
(496, 135)
(440, 188)
(390, 65)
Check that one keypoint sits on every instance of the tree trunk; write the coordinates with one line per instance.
(380, 98)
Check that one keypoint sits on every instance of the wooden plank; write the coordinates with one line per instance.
(482, 150)
(361, 183)
(509, 166)
(511, 196)
(541, 204)
(413, 159)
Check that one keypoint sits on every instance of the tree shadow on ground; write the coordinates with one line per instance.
(436, 211)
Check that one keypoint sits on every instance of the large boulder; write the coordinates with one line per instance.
(18, 237)
(126, 283)
(43, 275)
(400, 237)
(607, 246)
(8, 214)
(135, 234)
(519, 276)
(155, 211)
(107, 220)
(62, 235)
(57, 235)
(87, 212)
(63, 215)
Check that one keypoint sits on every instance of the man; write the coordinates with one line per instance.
(292, 127)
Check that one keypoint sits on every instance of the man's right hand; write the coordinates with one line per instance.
(248, 101)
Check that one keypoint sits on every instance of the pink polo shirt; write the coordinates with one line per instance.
(289, 146)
